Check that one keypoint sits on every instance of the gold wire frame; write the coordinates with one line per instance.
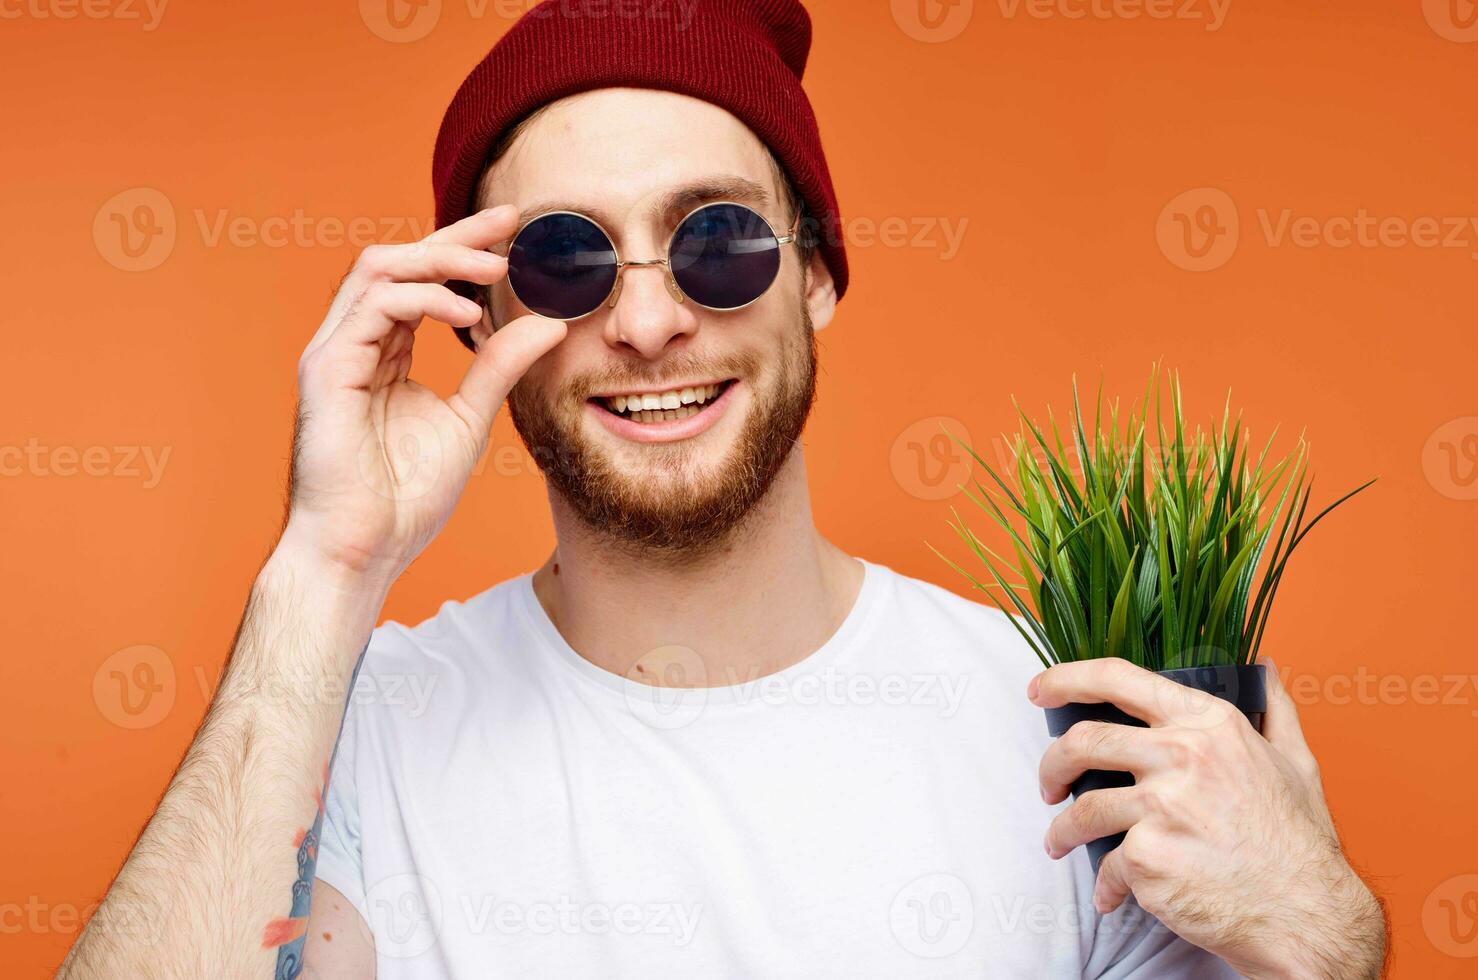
(673, 288)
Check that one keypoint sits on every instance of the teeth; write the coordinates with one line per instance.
(663, 406)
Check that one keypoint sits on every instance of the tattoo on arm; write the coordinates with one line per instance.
(290, 933)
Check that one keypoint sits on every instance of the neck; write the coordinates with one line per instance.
(764, 599)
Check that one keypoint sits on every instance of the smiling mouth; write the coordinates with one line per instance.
(670, 405)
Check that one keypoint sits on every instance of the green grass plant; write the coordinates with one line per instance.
(1159, 545)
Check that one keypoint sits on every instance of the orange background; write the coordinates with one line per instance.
(1057, 141)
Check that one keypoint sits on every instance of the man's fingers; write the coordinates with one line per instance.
(1113, 885)
(1094, 814)
(457, 252)
(1096, 745)
(1280, 724)
(481, 230)
(1138, 692)
(384, 304)
(429, 262)
(501, 361)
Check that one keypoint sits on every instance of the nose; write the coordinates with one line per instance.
(649, 314)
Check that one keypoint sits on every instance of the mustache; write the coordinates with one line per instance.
(656, 377)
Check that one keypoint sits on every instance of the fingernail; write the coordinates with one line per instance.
(1031, 689)
(1044, 794)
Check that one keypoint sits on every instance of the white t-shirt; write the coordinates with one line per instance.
(501, 807)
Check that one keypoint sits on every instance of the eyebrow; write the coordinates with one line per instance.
(675, 202)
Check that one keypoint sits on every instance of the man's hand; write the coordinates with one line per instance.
(226, 866)
(379, 461)
(1230, 843)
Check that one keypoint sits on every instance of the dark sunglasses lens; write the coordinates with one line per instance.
(561, 266)
(724, 256)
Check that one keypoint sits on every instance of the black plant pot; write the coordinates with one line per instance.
(1241, 684)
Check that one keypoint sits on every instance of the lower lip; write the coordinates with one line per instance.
(671, 431)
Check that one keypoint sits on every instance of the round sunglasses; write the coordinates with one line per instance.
(723, 256)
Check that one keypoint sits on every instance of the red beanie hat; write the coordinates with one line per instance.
(746, 56)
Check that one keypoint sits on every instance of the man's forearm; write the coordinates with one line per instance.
(1352, 942)
(209, 889)
(1342, 936)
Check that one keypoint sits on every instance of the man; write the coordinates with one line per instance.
(700, 740)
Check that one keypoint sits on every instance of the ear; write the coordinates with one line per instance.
(821, 291)
(483, 329)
